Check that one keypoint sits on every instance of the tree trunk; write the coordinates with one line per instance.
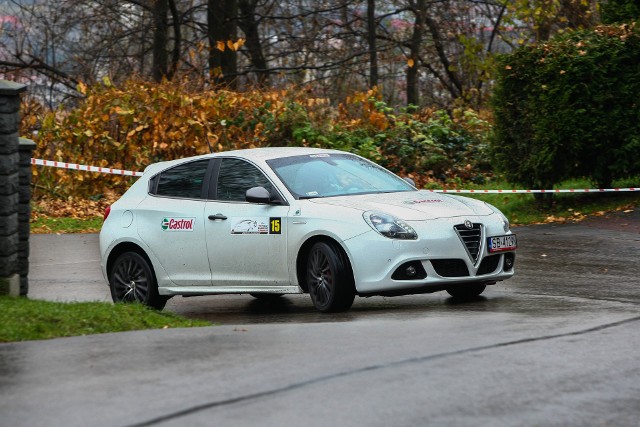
(177, 41)
(455, 88)
(371, 39)
(222, 18)
(413, 91)
(249, 25)
(160, 38)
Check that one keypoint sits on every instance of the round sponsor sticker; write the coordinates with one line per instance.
(165, 223)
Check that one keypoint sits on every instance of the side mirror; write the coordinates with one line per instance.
(410, 181)
(257, 195)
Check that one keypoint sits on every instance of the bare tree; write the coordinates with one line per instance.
(160, 9)
(222, 26)
(423, 52)
(371, 39)
(418, 7)
(249, 22)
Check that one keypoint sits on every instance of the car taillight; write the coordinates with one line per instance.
(106, 213)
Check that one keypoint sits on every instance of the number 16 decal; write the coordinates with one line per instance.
(275, 226)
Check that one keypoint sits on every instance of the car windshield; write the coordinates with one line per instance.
(328, 175)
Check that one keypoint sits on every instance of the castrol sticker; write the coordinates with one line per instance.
(178, 224)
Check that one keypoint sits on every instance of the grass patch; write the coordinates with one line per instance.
(22, 319)
(45, 224)
(524, 209)
(71, 215)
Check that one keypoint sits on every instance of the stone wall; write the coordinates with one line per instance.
(10, 273)
(24, 212)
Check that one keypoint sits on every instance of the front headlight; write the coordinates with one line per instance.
(505, 223)
(503, 219)
(389, 226)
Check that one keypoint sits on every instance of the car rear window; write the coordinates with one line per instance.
(183, 181)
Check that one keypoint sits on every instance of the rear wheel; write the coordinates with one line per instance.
(132, 280)
(466, 291)
(329, 278)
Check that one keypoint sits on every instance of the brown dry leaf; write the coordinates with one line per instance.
(73, 207)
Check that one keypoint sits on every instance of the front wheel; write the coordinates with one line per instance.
(329, 278)
(132, 280)
(466, 291)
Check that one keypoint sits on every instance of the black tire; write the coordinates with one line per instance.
(329, 278)
(132, 280)
(469, 291)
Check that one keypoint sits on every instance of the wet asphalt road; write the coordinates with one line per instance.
(558, 345)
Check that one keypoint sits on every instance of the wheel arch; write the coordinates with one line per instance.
(303, 253)
(123, 247)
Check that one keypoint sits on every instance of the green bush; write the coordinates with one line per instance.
(620, 11)
(569, 108)
(428, 146)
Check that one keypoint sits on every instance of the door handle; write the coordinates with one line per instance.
(217, 216)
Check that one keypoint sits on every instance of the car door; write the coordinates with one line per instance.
(171, 222)
(246, 242)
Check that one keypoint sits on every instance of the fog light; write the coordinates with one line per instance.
(412, 270)
(508, 261)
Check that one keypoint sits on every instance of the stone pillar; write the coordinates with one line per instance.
(24, 212)
(9, 184)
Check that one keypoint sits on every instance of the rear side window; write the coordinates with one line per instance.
(183, 181)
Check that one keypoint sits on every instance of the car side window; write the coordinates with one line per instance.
(183, 181)
(236, 177)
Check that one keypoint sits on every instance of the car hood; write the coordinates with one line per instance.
(412, 205)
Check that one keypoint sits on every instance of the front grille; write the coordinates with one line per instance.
(472, 239)
(450, 267)
(489, 264)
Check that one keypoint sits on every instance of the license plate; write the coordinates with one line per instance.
(502, 243)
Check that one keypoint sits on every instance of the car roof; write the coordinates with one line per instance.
(254, 154)
(267, 153)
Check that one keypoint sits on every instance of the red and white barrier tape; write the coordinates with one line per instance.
(569, 190)
(74, 166)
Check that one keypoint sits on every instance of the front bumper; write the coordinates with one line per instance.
(445, 262)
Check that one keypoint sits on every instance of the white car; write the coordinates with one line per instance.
(274, 221)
